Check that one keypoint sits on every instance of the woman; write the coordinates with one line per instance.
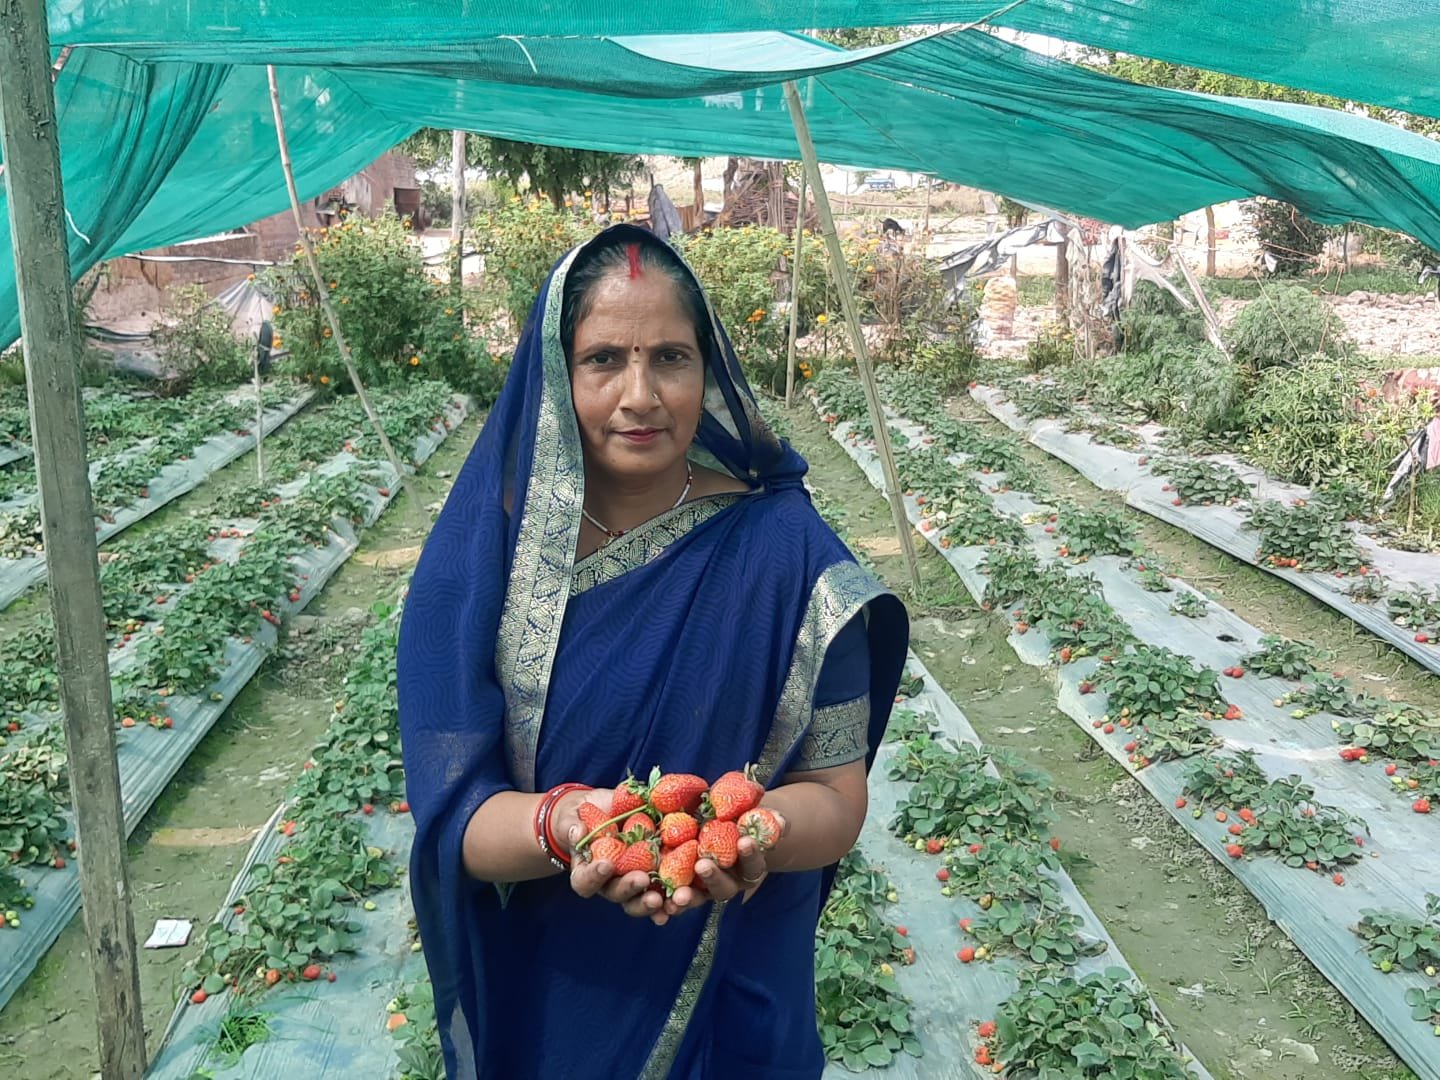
(628, 573)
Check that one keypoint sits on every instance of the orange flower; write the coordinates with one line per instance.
(414, 361)
(324, 380)
(326, 331)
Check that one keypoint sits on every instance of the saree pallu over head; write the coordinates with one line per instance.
(693, 642)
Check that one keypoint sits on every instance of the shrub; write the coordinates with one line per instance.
(1285, 326)
(1192, 387)
(1288, 237)
(521, 242)
(1155, 319)
(1054, 345)
(200, 345)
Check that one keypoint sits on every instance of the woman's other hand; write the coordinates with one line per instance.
(744, 877)
(631, 891)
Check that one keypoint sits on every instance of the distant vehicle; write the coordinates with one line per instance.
(880, 183)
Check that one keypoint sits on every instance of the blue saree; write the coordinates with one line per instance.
(694, 642)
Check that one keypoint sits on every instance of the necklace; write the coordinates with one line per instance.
(615, 534)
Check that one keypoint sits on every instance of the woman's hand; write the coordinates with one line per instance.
(745, 877)
(631, 891)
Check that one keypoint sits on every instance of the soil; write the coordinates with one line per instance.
(1243, 999)
(186, 852)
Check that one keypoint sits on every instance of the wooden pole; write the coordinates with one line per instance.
(925, 226)
(259, 424)
(841, 274)
(457, 184)
(52, 344)
(1209, 241)
(794, 294)
(322, 293)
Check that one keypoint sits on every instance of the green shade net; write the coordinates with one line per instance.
(1377, 51)
(157, 153)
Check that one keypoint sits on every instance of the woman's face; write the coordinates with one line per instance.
(637, 377)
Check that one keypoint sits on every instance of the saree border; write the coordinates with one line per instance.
(841, 592)
(540, 573)
(648, 542)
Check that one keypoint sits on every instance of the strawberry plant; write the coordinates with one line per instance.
(1290, 823)
(1349, 500)
(959, 798)
(1281, 658)
(1101, 1026)
(1396, 940)
(863, 1019)
(974, 522)
(1152, 578)
(906, 724)
(1332, 694)
(1040, 400)
(42, 763)
(1074, 614)
(31, 828)
(1158, 684)
(1097, 532)
(1104, 432)
(1309, 537)
(15, 897)
(1415, 609)
(1367, 589)
(1008, 870)
(1424, 1004)
(1230, 781)
(1190, 605)
(917, 757)
(1203, 482)
(1166, 738)
(419, 1056)
(1009, 573)
(1421, 782)
(1403, 732)
(1048, 936)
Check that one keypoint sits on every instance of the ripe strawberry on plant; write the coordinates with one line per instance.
(719, 842)
(677, 867)
(677, 828)
(762, 826)
(674, 792)
(733, 794)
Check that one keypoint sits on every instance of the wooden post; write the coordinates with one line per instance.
(925, 227)
(1062, 278)
(51, 338)
(322, 293)
(841, 274)
(457, 211)
(794, 294)
(259, 423)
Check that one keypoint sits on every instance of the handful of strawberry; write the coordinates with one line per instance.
(664, 826)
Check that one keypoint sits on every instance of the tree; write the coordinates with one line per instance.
(557, 171)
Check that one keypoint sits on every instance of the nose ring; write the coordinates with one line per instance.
(655, 396)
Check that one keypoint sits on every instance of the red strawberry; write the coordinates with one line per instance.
(1339, 879)
(985, 1029)
(1390, 769)
(638, 826)
(762, 826)
(593, 817)
(1420, 806)
(311, 972)
(198, 997)
(902, 931)
(982, 1056)
(1234, 850)
(1180, 803)
(942, 874)
(677, 791)
(638, 856)
(1087, 687)
(59, 863)
(629, 796)
(1236, 828)
(1247, 815)
(966, 954)
(934, 846)
(368, 809)
(606, 849)
(678, 828)
(964, 924)
(1233, 713)
(719, 841)
(677, 867)
(1054, 843)
(733, 794)
(974, 849)
(402, 807)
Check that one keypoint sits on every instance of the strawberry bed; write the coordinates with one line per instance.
(1304, 537)
(178, 662)
(1316, 906)
(131, 484)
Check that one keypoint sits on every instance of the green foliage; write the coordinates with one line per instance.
(1102, 1026)
(1281, 658)
(1403, 732)
(863, 1018)
(1227, 780)
(1287, 821)
(949, 363)
(521, 243)
(1287, 325)
(1309, 537)
(398, 323)
(1155, 320)
(1192, 387)
(1416, 609)
(1158, 684)
(1055, 344)
(420, 1056)
(198, 342)
(1203, 482)
(1097, 532)
(960, 798)
(1290, 239)
(1191, 605)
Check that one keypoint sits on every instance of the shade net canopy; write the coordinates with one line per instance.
(160, 151)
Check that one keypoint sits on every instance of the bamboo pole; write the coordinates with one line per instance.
(794, 294)
(259, 423)
(51, 337)
(841, 274)
(322, 293)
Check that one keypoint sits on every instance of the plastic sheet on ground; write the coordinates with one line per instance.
(319, 1028)
(949, 998)
(17, 576)
(1223, 527)
(149, 757)
(1402, 849)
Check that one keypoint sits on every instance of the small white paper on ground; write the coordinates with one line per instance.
(169, 933)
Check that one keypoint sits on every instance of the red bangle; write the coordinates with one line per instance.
(544, 836)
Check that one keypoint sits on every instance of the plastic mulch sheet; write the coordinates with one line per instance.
(17, 576)
(149, 757)
(1223, 527)
(318, 1028)
(1402, 848)
(949, 998)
